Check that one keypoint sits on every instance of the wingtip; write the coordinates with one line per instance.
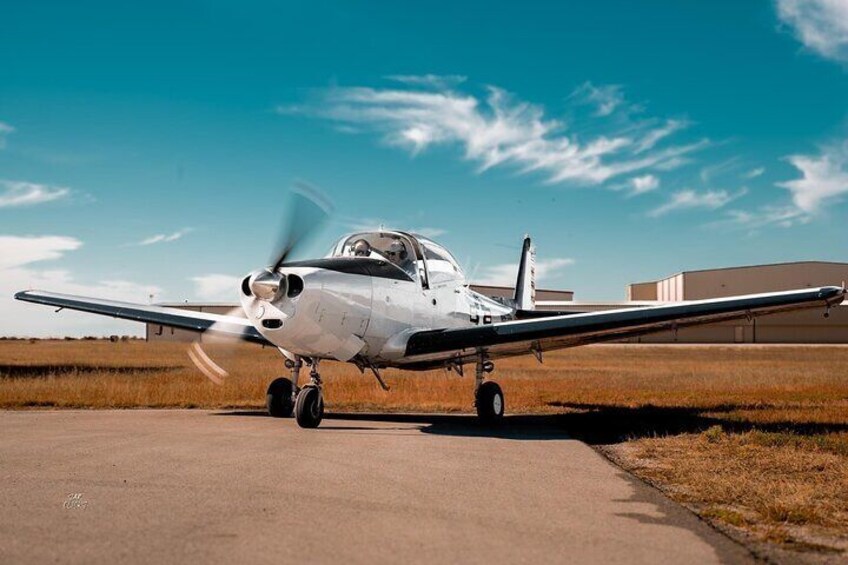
(21, 295)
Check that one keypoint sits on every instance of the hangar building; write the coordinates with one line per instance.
(808, 326)
(793, 327)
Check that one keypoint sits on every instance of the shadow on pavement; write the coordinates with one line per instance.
(526, 427)
(592, 423)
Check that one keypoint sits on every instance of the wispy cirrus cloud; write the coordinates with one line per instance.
(689, 199)
(657, 134)
(717, 170)
(824, 178)
(5, 130)
(823, 182)
(643, 184)
(821, 25)
(754, 173)
(500, 130)
(17, 251)
(770, 215)
(439, 82)
(605, 98)
(506, 274)
(20, 193)
(165, 238)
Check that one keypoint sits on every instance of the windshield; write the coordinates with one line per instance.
(404, 251)
(441, 265)
(392, 247)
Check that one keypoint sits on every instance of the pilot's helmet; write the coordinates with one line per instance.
(361, 248)
(397, 249)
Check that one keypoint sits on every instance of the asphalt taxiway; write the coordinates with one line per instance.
(153, 486)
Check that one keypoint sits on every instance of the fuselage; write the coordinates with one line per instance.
(346, 307)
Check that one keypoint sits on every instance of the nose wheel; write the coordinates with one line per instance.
(309, 406)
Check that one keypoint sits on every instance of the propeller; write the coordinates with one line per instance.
(308, 209)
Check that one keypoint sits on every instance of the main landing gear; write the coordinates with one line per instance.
(280, 398)
(284, 397)
(488, 396)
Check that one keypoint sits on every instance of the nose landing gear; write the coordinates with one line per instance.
(309, 406)
(307, 403)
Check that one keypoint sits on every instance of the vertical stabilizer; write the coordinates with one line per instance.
(525, 286)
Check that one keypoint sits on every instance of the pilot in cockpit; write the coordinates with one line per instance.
(397, 254)
(361, 248)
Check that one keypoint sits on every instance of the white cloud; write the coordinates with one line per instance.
(655, 135)
(5, 130)
(500, 130)
(754, 173)
(439, 82)
(23, 319)
(19, 193)
(689, 199)
(606, 98)
(719, 169)
(821, 25)
(17, 251)
(643, 184)
(765, 216)
(506, 274)
(165, 238)
(216, 287)
(824, 178)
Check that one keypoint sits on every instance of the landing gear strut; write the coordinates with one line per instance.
(280, 398)
(309, 407)
(488, 396)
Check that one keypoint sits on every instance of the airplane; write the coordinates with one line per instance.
(390, 298)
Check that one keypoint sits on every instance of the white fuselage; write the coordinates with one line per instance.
(340, 315)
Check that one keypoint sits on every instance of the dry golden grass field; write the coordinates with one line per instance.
(754, 439)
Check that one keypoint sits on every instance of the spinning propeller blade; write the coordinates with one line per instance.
(308, 210)
(201, 359)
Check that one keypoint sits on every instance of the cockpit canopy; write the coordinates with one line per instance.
(421, 258)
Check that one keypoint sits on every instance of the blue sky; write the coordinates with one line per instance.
(148, 149)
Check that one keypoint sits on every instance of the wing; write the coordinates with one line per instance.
(173, 317)
(523, 336)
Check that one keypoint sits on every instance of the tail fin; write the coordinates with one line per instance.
(525, 286)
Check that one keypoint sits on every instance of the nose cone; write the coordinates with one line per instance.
(267, 285)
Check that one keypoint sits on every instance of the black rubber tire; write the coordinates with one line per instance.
(309, 407)
(490, 403)
(279, 399)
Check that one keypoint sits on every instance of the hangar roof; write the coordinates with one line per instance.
(739, 267)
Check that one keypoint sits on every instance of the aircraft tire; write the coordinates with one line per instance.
(309, 407)
(490, 403)
(279, 399)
